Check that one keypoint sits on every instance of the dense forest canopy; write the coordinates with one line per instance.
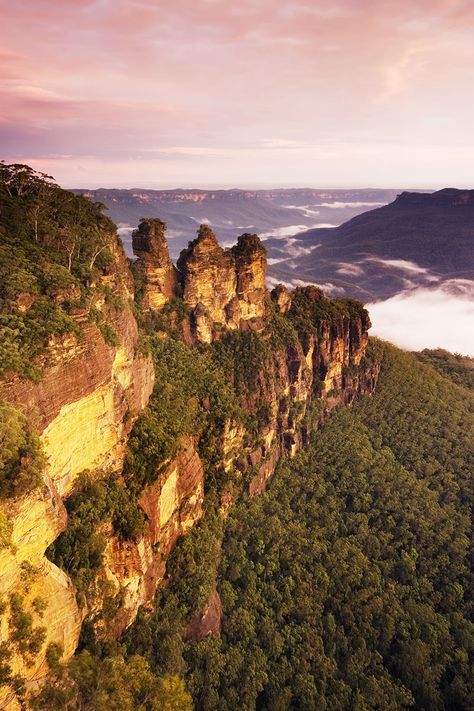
(459, 368)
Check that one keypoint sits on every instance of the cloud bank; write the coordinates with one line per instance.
(428, 318)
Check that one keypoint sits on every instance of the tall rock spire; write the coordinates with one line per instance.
(154, 263)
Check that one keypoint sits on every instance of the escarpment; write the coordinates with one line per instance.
(91, 387)
(290, 358)
(173, 418)
(73, 379)
(83, 408)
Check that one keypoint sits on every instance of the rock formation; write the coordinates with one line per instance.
(209, 283)
(222, 288)
(154, 263)
(172, 505)
(251, 265)
(309, 377)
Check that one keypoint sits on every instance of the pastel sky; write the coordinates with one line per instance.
(256, 92)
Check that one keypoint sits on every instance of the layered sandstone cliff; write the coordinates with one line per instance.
(132, 570)
(82, 408)
(307, 378)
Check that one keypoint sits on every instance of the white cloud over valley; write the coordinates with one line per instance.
(440, 317)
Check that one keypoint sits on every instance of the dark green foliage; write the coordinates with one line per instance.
(109, 334)
(191, 394)
(242, 355)
(23, 336)
(170, 318)
(460, 369)
(79, 549)
(191, 571)
(310, 307)
(248, 359)
(426, 421)
(52, 244)
(159, 636)
(192, 565)
(54, 652)
(192, 577)
(88, 683)
(21, 458)
(5, 666)
(348, 585)
(283, 333)
(28, 639)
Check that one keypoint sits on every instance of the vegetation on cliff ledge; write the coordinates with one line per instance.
(53, 246)
(21, 457)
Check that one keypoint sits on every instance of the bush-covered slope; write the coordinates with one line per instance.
(348, 585)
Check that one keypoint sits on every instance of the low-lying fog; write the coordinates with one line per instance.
(441, 317)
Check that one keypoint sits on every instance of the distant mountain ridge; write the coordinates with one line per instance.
(420, 239)
(280, 212)
(200, 194)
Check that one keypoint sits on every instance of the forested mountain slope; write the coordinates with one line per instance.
(348, 584)
(459, 368)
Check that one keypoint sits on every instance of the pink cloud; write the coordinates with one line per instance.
(116, 78)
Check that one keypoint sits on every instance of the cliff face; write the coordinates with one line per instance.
(82, 408)
(132, 570)
(44, 591)
(310, 377)
(90, 392)
(224, 291)
(251, 265)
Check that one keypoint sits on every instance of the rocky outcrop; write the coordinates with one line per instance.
(282, 298)
(132, 570)
(308, 378)
(209, 283)
(88, 396)
(208, 622)
(251, 265)
(45, 591)
(154, 264)
(90, 393)
(222, 289)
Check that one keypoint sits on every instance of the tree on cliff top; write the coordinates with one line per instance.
(54, 247)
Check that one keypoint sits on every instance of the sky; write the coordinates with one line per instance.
(153, 93)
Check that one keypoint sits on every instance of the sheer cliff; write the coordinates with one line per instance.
(134, 409)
